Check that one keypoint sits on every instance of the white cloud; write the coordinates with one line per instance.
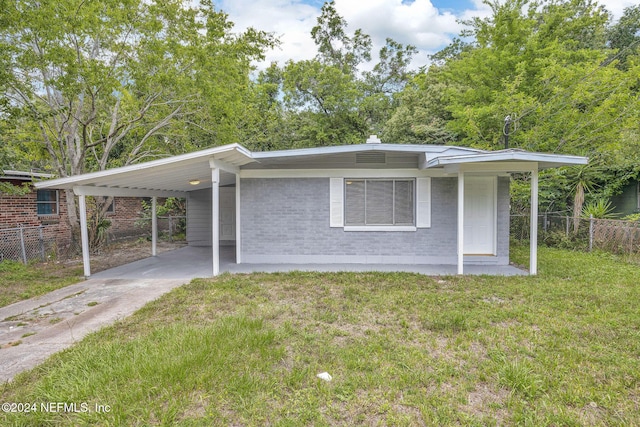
(417, 23)
(616, 7)
(289, 20)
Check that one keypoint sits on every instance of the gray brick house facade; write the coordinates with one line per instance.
(370, 203)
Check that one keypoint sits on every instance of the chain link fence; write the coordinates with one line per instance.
(171, 228)
(617, 236)
(26, 244)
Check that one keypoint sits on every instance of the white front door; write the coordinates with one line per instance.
(480, 215)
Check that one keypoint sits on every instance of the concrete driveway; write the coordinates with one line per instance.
(32, 330)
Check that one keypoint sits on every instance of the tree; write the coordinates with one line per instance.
(101, 84)
(550, 66)
(335, 46)
(329, 100)
(624, 36)
(421, 116)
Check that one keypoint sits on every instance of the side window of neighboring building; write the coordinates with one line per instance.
(112, 207)
(47, 202)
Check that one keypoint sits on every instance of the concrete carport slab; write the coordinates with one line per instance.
(191, 262)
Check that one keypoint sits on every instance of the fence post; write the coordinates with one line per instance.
(170, 229)
(544, 226)
(567, 232)
(590, 233)
(41, 240)
(24, 251)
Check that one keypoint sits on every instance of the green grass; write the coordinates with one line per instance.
(403, 349)
(19, 282)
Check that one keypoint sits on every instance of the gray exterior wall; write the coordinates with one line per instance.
(504, 218)
(199, 218)
(287, 221)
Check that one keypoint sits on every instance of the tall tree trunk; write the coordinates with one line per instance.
(73, 219)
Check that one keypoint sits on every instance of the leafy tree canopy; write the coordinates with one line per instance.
(90, 84)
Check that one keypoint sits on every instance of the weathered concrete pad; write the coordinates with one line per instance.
(33, 330)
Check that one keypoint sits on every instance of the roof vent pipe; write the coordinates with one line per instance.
(373, 139)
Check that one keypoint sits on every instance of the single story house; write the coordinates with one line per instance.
(367, 203)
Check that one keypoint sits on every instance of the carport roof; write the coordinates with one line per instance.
(166, 177)
(171, 176)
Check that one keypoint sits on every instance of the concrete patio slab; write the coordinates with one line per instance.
(191, 262)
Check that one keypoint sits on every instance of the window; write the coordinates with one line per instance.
(111, 209)
(379, 202)
(407, 206)
(47, 202)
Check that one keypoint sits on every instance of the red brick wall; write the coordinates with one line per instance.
(125, 219)
(21, 211)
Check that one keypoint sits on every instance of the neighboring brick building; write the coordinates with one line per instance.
(48, 208)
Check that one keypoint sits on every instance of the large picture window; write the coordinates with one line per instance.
(379, 202)
(47, 202)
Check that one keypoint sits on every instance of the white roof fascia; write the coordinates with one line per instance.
(545, 160)
(203, 154)
(11, 174)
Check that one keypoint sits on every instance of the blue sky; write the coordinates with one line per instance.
(453, 5)
(429, 25)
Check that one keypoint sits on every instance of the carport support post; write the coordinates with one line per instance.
(533, 238)
(215, 220)
(238, 230)
(154, 227)
(84, 235)
(460, 222)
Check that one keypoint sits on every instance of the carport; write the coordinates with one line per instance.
(175, 176)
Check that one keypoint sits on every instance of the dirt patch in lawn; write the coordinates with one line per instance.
(120, 253)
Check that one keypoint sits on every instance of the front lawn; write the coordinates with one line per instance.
(19, 282)
(562, 348)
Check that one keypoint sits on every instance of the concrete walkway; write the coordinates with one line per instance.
(32, 330)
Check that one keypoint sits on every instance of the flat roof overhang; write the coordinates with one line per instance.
(169, 177)
(504, 161)
(174, 176)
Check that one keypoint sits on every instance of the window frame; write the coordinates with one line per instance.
(111, 209)
(393, 226)
(55, 203)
